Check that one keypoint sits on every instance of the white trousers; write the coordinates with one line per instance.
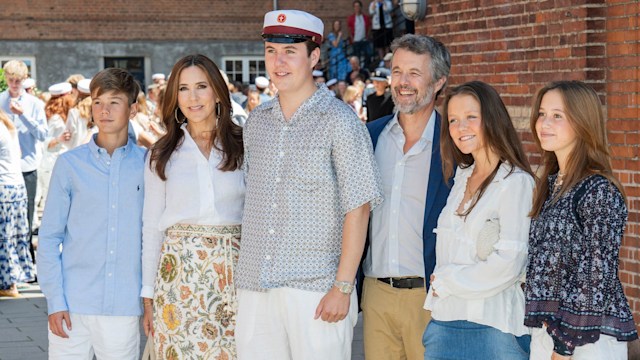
(607, 347)
(108, 337)
(279, 324)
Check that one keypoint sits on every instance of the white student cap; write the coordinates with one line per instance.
(60, 89)
(317, 73)
(28, 83)
(262, 82)
(158, 76)
(332, 82)
(83, 86)
(291, 26)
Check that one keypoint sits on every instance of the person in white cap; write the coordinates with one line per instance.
(311, 181)
(158, 78)
(78, 120)
(262, 84)
(57, 111)
(29, 85)
(27, 114)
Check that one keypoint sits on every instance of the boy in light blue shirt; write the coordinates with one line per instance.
(89, 257)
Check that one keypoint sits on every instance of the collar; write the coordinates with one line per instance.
(98, 151)
(427, 133)
(320, 97)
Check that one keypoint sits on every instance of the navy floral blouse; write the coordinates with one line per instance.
(572, 276)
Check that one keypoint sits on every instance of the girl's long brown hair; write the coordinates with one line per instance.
(227, 137)
(59, 105)
(590, 154)
(498, 132)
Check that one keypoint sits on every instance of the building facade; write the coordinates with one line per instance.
(518, 46)
(59, 38)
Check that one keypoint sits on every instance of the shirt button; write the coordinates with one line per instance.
(109, 274)
(285, 128)
(271, 231)
(278, 179)
(274, 206)
(281, 153)
(113, 206)
(113, 229)
(268, 257)
(111, 252)
(108, 162)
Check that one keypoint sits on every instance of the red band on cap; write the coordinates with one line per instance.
(317, 38)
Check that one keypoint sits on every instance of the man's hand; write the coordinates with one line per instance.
(556, 356)
(55, 323)
(334, 306)
(15, 107)
(147, 319)
(433, 278)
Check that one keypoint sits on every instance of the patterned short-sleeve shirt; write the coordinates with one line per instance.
(303, 176)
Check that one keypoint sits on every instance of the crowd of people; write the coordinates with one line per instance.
(259, 237)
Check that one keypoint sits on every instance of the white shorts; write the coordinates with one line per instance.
(279, 324)
(106, 337)
(607, 347)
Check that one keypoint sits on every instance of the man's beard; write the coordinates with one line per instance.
(413, 106)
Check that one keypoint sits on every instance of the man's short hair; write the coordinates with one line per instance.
(117, 80)
(16, 68)
(422, 44)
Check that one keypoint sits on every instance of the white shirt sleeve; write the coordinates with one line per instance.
(504, 266)
(152, 237)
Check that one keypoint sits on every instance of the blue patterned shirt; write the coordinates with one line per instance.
(303, 176)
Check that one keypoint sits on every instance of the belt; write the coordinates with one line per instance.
(404, 283)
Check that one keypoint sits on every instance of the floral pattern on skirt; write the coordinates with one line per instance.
(16, 264)
(195, 299)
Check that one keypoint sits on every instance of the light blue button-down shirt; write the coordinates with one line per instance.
(31, 126)
(94, 210)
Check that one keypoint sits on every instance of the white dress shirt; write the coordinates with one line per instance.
(485, 292)
(396, 225)
(195, 192)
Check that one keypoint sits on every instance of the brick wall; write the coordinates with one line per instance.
(145, 20)
(517, 46)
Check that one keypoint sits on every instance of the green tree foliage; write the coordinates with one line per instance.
(3, 82)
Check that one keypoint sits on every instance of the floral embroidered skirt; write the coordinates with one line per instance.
(16, 264)
(195, 299)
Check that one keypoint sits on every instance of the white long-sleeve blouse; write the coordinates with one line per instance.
(485, 292)
(195, 192)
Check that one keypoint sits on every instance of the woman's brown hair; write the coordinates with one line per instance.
(498, 132)
(227, 137)
(590, 155)
(59, 105)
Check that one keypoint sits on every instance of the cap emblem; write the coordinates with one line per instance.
(282, 18)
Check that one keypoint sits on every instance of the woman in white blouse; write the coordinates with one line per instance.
(476, 299)
(194, 196)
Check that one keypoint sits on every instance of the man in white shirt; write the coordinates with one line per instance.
(401, 252)
(359, 26)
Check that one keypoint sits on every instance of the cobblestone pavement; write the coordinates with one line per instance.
(23, 328)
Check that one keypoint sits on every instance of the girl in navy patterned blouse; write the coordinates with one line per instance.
(574, 299)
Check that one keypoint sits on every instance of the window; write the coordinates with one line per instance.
(244, 69)
(135, 65)
(30, 61)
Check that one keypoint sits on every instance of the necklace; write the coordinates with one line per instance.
(559, 182)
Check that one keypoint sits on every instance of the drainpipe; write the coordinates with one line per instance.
(275, 4)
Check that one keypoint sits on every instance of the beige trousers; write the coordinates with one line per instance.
(393, 321)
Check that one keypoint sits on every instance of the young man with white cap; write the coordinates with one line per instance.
(311, 182)
(158, 78)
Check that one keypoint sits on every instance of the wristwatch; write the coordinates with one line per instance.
(345, 287)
